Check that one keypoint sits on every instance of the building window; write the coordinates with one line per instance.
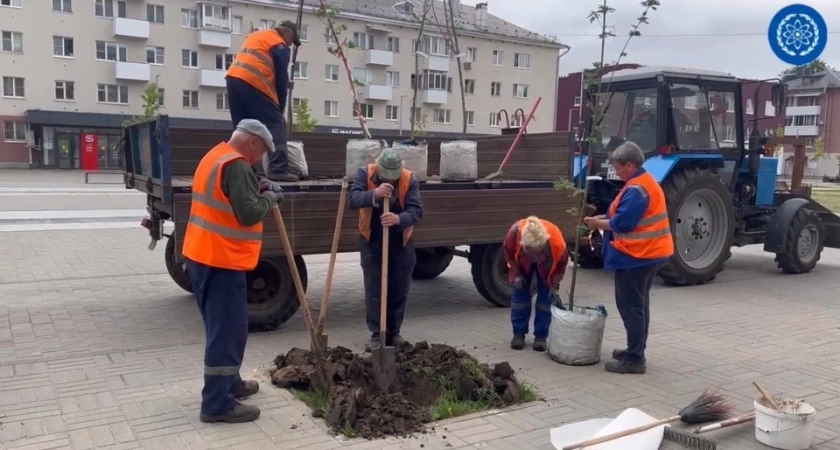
(13, 87)
(154, 55)
(442, 116)
(223, 61)
(438, 81)
(470, 118)
(750, 107)
(65, 90)
(809, 142)
(267, 24)
(189, 18)
(161, 96)
(730, 103)
(495, 89)
(813, 101)
(12, 41)
(436, 45)
(105, 8)
(392, 112)
(469, 86)
(304, 33)
(14, 131)
(63, 47)
(415, 46)
(330, 108)
(577, 98)
(690, 102)
(498, 57)
(472, 54)
(520, 91)
(154, 13)
(236, 25)
(521, 60)
(295, 105)
(222, 101)
(301, 70)
(12, 3)
(62, 6)
(112, 93)
(769, 109)
(216, 16)
(362, 75)
(189, 59)
(393, 44)
(494, 120)
(367, 111)
(110, 51)
(330, 39)
(791, 101)
(331, 72)
(363, 41)
(392, 78)
(190, 99)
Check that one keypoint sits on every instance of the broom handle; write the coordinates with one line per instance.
(621, 434)
(725, 423)
(767, 397)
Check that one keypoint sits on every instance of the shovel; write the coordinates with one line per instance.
(383, 358)
(322, 317)
(319, 379)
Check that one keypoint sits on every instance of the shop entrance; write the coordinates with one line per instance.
(67, 147)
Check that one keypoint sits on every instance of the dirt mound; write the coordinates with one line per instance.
(425, 373)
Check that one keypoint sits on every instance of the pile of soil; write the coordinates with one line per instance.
(424, 373)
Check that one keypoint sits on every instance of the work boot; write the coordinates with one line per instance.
(625, 366)
(286, 177)
(397, 341)
(246, 389)
(618, 354)
(518, 342)
(238, 414)
(540, 344)
(373, 345)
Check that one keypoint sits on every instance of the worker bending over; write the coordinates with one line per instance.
(386, 181)
(258, 86)
(637, 243)
(222, 243)
(534, 248)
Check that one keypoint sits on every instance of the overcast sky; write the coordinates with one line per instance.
(727, 35)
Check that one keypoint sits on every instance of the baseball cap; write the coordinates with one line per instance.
(389, 165)
(256, 128)
(292, 26)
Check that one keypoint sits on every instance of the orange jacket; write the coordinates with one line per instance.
(214, 236)
(254, 64)
(366, 214)
(651, 239)
(551, 266)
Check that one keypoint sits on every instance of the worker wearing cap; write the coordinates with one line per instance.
(258, 87)
(534, 248)
(222, 243)
(637, 243)
(386, 181)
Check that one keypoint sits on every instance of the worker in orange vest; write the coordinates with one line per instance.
(386, 181)
(534, 248)
(222, 243)
(258, 87)
(637, 243)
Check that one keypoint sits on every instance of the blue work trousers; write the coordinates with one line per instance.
(222, 297)
(520, 306)
(248, 102)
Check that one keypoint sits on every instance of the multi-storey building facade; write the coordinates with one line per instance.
(74, 70)
(813, 112)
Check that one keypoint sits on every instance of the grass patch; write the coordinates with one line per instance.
(319, 403)
(449, 406)
(830, 198)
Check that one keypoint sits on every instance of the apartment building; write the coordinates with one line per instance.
(813, 112)
(73, 70)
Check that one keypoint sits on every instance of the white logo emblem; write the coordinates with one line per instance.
(798, 34)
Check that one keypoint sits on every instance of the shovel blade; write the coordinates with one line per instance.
(384, 367)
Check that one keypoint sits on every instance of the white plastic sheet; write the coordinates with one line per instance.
(416, 158)
(573, 433)
(297, 159)
(576, 337)
(459, 161)
(360, 153)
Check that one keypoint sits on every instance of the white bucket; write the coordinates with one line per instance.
(784, 430)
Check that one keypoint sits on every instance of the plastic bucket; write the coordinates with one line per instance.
(784, 430)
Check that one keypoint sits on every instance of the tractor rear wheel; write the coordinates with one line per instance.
(177, 270)
(805, 242)
(702, 220)
(432, 262)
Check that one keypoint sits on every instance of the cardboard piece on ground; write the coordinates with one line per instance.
(579, 431)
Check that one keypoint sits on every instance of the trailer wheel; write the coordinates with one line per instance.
(272, 298)
(805, 241)
(432, 262)
(703, 226)
(177, 271)
(490, 274)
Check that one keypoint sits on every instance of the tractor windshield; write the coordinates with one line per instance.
(703, 119)
(629, 115)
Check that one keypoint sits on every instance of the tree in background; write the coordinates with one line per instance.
(151, 105)
(817, 65)
(304, 122)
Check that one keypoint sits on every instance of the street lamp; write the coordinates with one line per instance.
(401, 113)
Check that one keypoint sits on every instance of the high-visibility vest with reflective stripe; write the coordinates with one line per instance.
(254, 64)
(556, 244)
(214, 236)
(651, 239)
(366, 214)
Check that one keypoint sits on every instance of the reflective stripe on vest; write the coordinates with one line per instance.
(651, 239)
(556, 245)
(366, 214)
(254, 64)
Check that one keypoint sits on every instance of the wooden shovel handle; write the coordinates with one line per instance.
(621, 434)
(767, 397)
(342, 201)
(383, 295)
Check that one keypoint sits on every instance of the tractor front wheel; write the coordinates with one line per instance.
(805, 242)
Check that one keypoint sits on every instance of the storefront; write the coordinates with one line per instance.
(79, 148)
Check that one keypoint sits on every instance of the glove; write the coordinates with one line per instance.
(556, 300)
(268, 185)
(274, 196)
(519, 282)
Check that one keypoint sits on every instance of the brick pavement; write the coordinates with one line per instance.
(99, 349)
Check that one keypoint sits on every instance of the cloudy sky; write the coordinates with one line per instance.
(727, 35)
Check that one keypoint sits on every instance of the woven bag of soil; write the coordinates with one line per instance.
(575, 337)
(297, 159)
(459, 161)
(360, 153)
(416, 157)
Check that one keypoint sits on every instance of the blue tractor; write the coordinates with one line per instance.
(720, 185)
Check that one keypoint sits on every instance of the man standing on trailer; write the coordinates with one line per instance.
(637, 242)
(258, 87)
(222, 242)
(386, 181)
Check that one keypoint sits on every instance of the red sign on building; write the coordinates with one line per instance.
(90, 151)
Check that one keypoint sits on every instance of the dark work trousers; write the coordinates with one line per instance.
(222, 297)
(401, 262)
(247, 102)
(520, 306)
(632, 298)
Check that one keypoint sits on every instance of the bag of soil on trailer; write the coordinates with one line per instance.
(429, 378)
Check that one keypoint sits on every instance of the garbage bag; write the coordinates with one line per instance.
(575, 337)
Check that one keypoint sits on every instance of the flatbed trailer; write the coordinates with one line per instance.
(160, 161)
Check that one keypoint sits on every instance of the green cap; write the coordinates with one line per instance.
(389, 165)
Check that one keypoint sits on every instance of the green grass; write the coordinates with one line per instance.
(317, 401)
(830, 198)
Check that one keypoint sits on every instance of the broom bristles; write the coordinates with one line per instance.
(711, 406)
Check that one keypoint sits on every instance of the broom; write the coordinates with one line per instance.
(709, 407)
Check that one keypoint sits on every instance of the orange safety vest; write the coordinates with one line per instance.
(556, 243)
(366, 214)
(651, 239)
(254, 64)
(214, 236)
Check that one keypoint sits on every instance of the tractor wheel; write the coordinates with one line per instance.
(702, 220)
(272, 298)
(432, 262)
(177, 271)
(805, 240)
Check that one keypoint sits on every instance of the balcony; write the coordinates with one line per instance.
(379, 58)
(214, 37)
(435, 96)
(794, 131)
(212, 78)
(802, 111)
(437, 63)
(129, 71)
(378, 92)
(130, 28)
